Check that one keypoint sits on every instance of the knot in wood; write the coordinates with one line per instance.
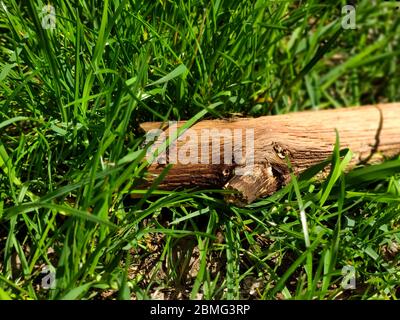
(280, 151)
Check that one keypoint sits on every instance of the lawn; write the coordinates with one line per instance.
(78, 77)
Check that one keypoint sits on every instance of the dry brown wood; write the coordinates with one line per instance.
(372, 133)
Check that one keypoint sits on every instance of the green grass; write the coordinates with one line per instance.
(71, 100)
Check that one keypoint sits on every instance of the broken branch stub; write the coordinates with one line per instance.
(249, 155)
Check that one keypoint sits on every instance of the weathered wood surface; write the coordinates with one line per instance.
(372, 133)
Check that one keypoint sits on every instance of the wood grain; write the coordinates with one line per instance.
(371, 132)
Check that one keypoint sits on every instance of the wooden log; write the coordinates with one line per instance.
(257, 166)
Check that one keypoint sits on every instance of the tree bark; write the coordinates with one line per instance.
(304, 139)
